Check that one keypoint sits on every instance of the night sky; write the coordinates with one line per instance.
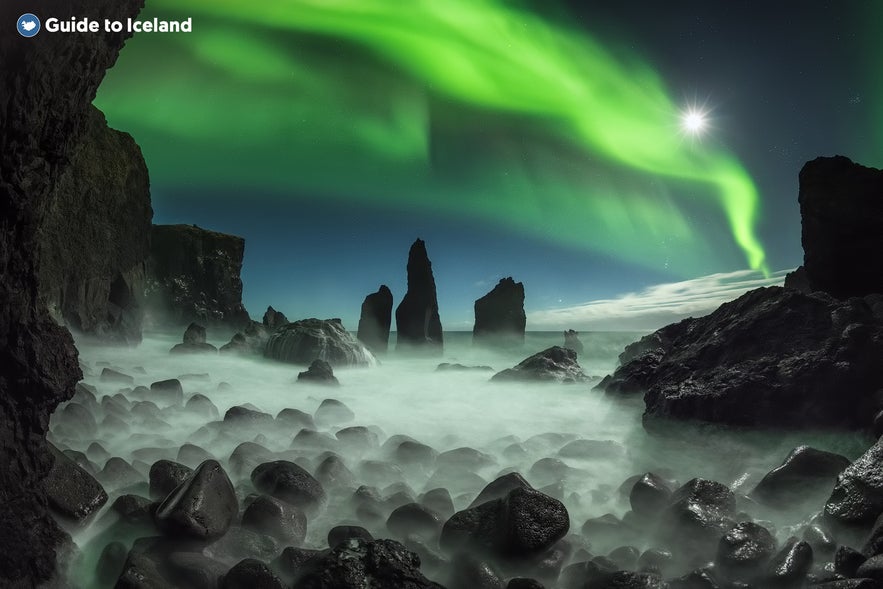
(543, 142)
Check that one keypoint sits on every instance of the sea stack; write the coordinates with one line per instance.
(417, 320)
(376, 319)
(499, 315)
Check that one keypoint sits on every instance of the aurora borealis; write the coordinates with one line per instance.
(546, 124)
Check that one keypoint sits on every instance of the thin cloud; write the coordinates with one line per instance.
(654, 306)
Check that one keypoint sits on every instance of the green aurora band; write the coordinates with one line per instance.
(569, 123)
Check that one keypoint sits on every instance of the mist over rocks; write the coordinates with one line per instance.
(555, 364)
(375, 320)
(418, 324)
(499, 315)
(306, 340)
(193, 274)
(841, 211)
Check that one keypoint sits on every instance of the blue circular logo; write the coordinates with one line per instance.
(28, 25)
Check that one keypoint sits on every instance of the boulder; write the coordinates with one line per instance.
(499, 315)
(289, 482)
(697, 515)
(167, 392)
(319, 372)
(73, 493)
(841, 211)
(201, 508)
(340, 534)
(523, 523)
(193, 275)
(375, 320)
(857, 498)
(194, 342)
(165, 476)
(744, 551)
(805, 474)
(555, 364)
(773, 357)
(572, 341)
(251, 574)
(417, 320)
(275, 517)
(361, 563)
(649, 495)
(306, 340)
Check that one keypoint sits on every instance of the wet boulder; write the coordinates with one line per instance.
(807, 474)
(649, 495)
(744, 550)
(194, 342)
(167, 392)
(251, 574)
(790, 566)
(697, 515)
(289, 482)
(279, 519)
(73, 493)
(523, 523)
(500, 487)
(202, 507)
(857, 498)
(319, 372)
(332, 411)
(341, 534)
(414, 519)
(360, 564)
(306, 340)
(165, 476)
(555, 364)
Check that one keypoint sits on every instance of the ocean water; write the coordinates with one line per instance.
(405, 395)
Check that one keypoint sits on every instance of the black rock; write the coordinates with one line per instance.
(306, 340)
(499, 315)
(294, 563)
(465, 458)
(194, 341)
(291, 483)
(841, 214)
(274, 319)
(772, 358)
(194, 570)
(165, 476)
(134, 510)
(191, 454)
(358, 438)
(194, 275)
(697, 579)
(417, 319)
(375, 320)
(805, 474)
(245, 417)
(555, 364)
(358, 563)
(110, 563)
(73, 493)
(790, 566)
(448, 367)
(524, 583)
(414, 519)
(744, 550)
(649, 495)
(109, 375)
(168, 392)
(279, 519)
(332, 472)
(332, 411)
(847, 561)
(239, 543)
(469, 572)
(438, 500)
(246, 456)
(572, 341)
(319, 372)
(871, 569)
(857, 498)
(295, 419)
(202, 507)
(251, 574)
(698, 514)
(627, 580)
(340, 534)
(117, 473)
(523, 523)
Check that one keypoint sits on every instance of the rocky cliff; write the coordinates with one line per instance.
(499, 315)
(47, 85)
(95, 237)
(417, 320)
(193, 275)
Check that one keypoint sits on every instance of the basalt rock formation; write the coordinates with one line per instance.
(806, 355)
(306, 340)
(841, 209)
(499, 315)
(47, 86)
(193, 275)
(376, 319)
(417, 320)
(95, 237)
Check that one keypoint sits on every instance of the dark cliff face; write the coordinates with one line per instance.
(499, 315)
(417, 320)
(193, 275)
(95, 237)
(841, 207)
(375, 320)
(46, 88)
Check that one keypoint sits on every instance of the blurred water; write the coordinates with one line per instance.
(405, 395)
